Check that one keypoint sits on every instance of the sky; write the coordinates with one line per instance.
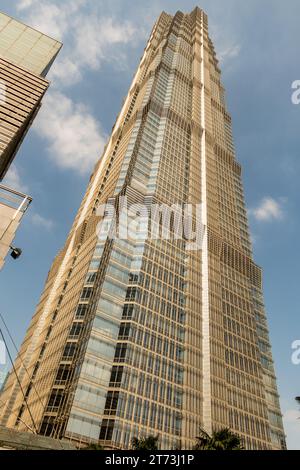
(257, 45)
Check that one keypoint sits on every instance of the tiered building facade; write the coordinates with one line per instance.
(138, 337)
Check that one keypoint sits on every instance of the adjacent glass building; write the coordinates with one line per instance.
(25, 58)
(138, 337)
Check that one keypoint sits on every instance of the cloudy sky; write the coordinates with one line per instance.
(257, 44)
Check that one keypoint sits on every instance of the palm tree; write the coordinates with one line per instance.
(219, 440)
(145, 443)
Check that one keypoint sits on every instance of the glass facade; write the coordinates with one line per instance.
(145, 336)
(25, 57)
(26, 47)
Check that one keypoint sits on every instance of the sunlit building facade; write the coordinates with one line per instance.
(26, 56)
(13, 206)
(139, 337)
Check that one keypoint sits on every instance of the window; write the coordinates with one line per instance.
(55, 399)
(76, 329)
(178, 398)
(133, 277)
(86, 293)
(81, 311)
(48, 333)
(124, 331)
(116, 376)
(69, 351)
(47, 426)
(120, 352)
(35, 370)
(131, 292)
(62, 374)
(42, 351)
(145, 412)
(111, 403)
(28, 390)
(107, 428)
(127, 311)
(179, 354)
(90, 278)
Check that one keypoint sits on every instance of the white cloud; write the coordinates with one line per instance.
(96, 34)
(269, 209)
(226, 43)
(65, 72)
(50, 17)
(93, 43)
(40, 221)
(229, 52)
(23, 4)
(253, 237)
(89, 37)
(13, 180)
(75, 138)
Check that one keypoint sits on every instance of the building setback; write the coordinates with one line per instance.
(138, 337)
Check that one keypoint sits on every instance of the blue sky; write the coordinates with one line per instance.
(257, 43)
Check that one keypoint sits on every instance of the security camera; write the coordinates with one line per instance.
(15, 252)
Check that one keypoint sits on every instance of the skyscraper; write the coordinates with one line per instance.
(146, 335)
(26, 56)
